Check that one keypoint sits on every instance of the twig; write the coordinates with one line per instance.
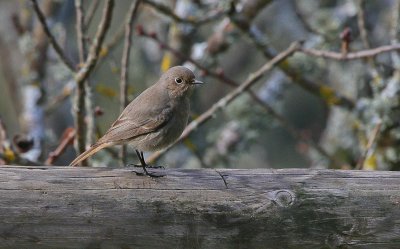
(87, 91)
(90, 13)
(66, 139)
(79, 30)
(254, 77)
(85, 71)
(125, 67)
(364, 38)
(350, 56)
(368, 148)
(90, 117)
(194, 21)
(361, 24)
(81, 92)
(53, 41)
(346, 38)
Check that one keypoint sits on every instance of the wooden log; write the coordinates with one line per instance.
(69, 207)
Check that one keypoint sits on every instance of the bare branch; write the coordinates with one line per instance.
(361, 24)
(53, 41)
(368, 148)
(79, 30)
(85, 71)
(87, 92)
(66, 139)
(81, 92)
(94, 51)
(373, 71)
(350, 56)
(125, 66)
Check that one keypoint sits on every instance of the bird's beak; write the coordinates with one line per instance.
(197, 82)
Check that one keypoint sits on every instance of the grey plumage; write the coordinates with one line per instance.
(154, 119)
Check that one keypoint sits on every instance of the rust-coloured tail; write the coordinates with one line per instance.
(92, 150)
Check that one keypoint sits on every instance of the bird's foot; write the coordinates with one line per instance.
(147, 166)
(155, 167)
(145, 172)
(149, 174)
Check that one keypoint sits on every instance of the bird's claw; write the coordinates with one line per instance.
(155, 167)
(147, 166)
(152, 175)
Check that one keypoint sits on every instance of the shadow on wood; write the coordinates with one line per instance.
(66, 207)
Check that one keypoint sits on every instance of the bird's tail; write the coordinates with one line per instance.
(92, 150)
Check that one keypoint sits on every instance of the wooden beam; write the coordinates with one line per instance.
(69, 207)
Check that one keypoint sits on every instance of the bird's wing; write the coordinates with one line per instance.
(136, 123)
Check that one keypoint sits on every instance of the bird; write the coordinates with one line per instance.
(154, 119)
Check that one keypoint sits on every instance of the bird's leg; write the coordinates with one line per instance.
(150, 166)
(144, 165)
(143, 162)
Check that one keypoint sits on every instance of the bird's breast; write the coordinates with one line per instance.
(174, 128)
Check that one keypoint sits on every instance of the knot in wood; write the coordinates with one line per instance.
(283, 197)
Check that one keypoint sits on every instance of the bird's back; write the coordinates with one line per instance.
(144, 116)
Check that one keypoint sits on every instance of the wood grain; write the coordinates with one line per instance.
(66, 207)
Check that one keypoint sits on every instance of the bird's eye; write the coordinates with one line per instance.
(178, 80)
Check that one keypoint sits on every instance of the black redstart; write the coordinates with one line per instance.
(154, 119)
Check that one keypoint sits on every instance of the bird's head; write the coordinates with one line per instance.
(179, 81)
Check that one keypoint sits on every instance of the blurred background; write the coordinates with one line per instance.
(309, 111)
